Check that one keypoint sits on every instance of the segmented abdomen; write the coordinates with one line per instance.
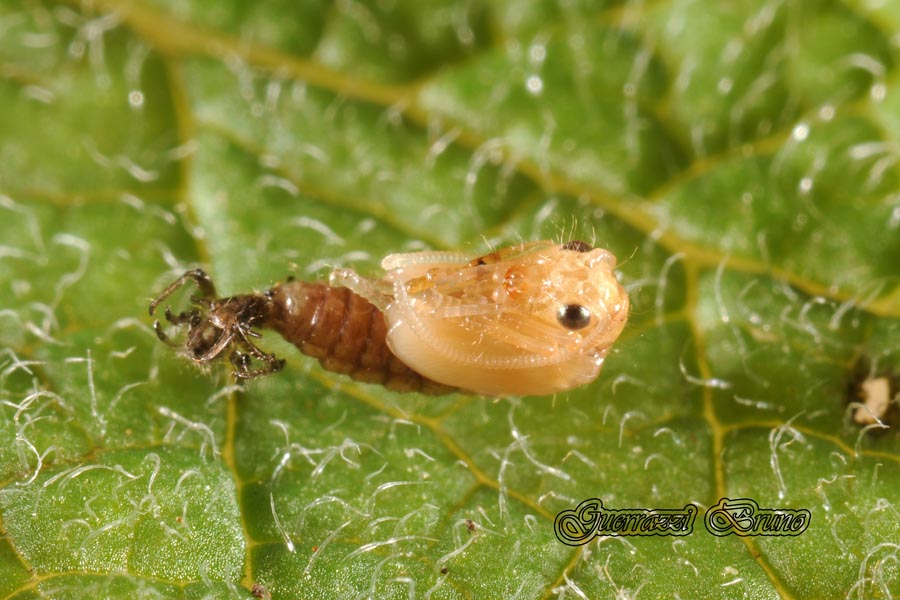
(346, 332)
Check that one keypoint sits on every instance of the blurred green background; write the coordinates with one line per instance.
(740, 158)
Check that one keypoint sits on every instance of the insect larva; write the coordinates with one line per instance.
(535, 318)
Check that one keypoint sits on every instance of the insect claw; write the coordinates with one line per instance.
(157, 327)
(240, 361)
(203, 282)
(156, 301)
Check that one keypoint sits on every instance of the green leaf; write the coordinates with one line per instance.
(739, 158)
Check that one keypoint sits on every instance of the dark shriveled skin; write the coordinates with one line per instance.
(343, 330)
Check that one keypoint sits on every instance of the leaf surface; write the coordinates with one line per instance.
(739, 158)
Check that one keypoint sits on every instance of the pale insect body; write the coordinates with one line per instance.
(535, 318)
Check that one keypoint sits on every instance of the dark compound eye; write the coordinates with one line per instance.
(577, 246)
(573, 316)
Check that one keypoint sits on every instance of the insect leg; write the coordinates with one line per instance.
(376, 291)
(434, 257)
(198, 276)
(221, 344)
(157, 327)
(252, 349)
(242, 370)
(273, 367)
(181, 318)
(241, 363)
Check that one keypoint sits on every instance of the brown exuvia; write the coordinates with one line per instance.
(346, 332)
(536, 318)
